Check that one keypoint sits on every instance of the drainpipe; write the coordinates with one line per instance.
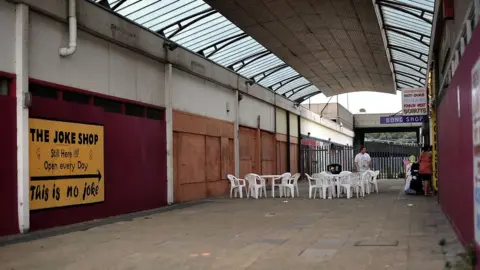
(72, 27)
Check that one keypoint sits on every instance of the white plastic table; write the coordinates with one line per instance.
(273, 177)
(337, 183)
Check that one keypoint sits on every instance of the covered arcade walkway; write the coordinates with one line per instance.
(384, 231)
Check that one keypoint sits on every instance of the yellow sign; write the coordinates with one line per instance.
(66, 164)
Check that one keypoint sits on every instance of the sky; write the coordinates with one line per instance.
(372, 102)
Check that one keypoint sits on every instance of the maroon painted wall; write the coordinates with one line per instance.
(8, 167)
(135, 163)
(455, 158)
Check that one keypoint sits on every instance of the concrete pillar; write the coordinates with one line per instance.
(288, 142)
(236, 142)
(21, 70)
(169, 129)
(299, 145)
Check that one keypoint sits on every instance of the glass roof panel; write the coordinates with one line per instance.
(408, 26)
(194, 25)
(304, 92)
(292, 85)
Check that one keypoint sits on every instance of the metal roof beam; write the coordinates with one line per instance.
(408, 52)
(407, 33)
(296, 89)
(252, 57)
(217, 46)
(411, 76)
(202, 15)
(118, 4)
(401, 63)
(411, 64)
(268, 72)
(403, 7)
(302, 99)
(276, 86)
(410, 83)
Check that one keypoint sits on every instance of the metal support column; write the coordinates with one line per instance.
(21, 70)
(169, 135)
(299, 145)
(288, 142)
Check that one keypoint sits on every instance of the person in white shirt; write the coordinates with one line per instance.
(362, 160)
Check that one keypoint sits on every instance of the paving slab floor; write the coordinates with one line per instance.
(387, 230)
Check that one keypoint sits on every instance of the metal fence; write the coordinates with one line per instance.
(386, 157)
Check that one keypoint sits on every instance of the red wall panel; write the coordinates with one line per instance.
(135, 163)
(8, 167)
(455, 146)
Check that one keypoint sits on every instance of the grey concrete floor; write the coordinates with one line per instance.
(387, 230)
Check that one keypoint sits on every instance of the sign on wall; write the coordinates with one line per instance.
(414, 101)
(66, 164)
(476, 146)
(402, 119)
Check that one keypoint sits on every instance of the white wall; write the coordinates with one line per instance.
(281, 119)
(198, 96)
(7, 37)
(128, 62)
(250, 108)
(97, 65)
(324, 133)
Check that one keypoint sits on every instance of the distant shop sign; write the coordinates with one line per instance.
(414, 101)
(402, 119)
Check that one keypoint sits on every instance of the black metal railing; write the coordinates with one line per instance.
(386, 157)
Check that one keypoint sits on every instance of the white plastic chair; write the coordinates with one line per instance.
(325, 182)
(313, 185)
(294, 182)
(340, 187)
(281, 186)
(345, 181)
(358, 184)
(256, 185)
(366, 179)
(237, 184)
(373, 182)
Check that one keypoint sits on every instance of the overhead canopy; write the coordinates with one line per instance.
(408, 27)
(335, 46)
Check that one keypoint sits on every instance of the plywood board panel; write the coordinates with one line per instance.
(191, 158)
(245, 167)
(217, 188)
(268, 146)
(175, 167)
(293, 158)
(212, 158)
(192, 192)
(248, 151)
(268, 167)
(190, 123)
(226, 157)
(281, 157)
